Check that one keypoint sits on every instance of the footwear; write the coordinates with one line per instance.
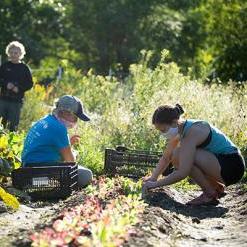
(221, 194)
(221, 191)
(204, 199)
(219, 187)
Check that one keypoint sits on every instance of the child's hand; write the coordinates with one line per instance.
(75, 139)
(75, 153)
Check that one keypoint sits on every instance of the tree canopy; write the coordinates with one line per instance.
(207, 37)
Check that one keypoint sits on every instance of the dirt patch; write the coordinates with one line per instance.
(15, 227)
(166, 221)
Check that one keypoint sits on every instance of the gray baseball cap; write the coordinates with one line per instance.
(72, 104)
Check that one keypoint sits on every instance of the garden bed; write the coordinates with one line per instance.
(110, 213)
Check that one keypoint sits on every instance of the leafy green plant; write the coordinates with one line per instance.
(103, 219)
(185, 185)
(8, 199)
(35, 106)
(10, 149)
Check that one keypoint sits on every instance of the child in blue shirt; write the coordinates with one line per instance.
(47, 142)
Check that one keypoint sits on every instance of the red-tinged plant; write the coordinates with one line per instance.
(74, 222)
(101, 220)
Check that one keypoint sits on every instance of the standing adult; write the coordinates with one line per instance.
(15, 80)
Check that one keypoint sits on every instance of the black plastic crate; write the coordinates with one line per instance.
(47, 182)
(131, 163)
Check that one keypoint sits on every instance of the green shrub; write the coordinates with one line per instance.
(35, 106)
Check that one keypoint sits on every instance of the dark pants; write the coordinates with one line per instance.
(10, 114)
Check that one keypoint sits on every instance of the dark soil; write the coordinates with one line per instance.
(166, 221)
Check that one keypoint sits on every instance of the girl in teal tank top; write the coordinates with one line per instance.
(203, 152)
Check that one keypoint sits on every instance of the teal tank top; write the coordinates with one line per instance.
(219, 143)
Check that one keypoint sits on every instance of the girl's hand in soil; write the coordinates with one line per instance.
(75, 139)
(150, 184)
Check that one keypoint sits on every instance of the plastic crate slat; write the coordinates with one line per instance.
(135, 166)
(130, 163)
(48, 182)
(147, 164)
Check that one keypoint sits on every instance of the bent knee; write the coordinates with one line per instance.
(85, 176)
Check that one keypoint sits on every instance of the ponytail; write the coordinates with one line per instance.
(179, 109)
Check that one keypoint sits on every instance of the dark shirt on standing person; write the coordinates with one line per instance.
(19, 75)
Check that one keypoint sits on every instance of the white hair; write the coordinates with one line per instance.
(16, 44)
(57, 111)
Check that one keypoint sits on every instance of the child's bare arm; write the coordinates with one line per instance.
(67, 154)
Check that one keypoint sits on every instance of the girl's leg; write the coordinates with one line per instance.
(206, 172)
(209, 165)
(220, 187)
(199, 177)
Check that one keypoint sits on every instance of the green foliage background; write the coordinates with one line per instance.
(115, 58)
(206, 37)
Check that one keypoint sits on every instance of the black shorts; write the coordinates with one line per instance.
(232, 167)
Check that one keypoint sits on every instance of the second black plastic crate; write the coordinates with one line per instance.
(47, 182)
(131, 163)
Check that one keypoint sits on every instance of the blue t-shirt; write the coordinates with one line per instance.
(44, 141)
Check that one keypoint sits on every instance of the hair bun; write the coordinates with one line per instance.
(180, 109)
